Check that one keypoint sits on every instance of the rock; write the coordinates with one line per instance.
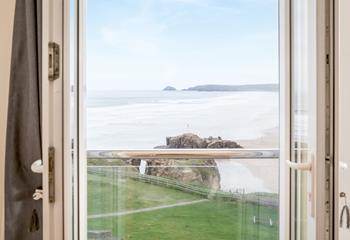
(223, 144)
(169, 88)
(161, 147)
(206, 176)
(187, 140)
(134, 162)
(190, 140)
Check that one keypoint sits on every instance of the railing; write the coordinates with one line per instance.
(236, 153)
(186, 154)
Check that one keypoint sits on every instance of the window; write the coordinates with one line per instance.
(173, 76)
(175, 108)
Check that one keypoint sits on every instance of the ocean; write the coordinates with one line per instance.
(143, 119)
(121, 120)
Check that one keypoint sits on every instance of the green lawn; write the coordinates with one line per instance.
(211, 220)
(112, 194)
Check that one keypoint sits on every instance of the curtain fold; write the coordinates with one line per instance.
(23, 215)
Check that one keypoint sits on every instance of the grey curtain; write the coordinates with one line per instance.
(23, 215)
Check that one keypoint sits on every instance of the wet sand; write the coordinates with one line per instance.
(270, 139)
(267, 170)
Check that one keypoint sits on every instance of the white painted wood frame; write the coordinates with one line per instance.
(285, 119)
(52, 120)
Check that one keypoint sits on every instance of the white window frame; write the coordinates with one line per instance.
(320, 221)
(342, 97)
(285, 119)
(52, 121)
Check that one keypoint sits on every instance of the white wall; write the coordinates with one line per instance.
(343, 121)
(6, 25)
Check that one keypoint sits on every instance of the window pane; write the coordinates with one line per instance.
(135, 49)
(176, 74)
(303, 71)
(181, 205)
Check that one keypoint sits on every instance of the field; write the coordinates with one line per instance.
(134, 210)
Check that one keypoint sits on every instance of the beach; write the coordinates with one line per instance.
(253, 175)
(143, 120)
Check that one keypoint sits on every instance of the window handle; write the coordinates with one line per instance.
(309, 167)
(299, 166)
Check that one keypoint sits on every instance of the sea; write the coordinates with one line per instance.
(122, 120)
(143, 119)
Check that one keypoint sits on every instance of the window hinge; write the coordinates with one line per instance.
(51, 174)
(54, 61)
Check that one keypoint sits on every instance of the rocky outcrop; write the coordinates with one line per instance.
(187, 140)
(134, 162)
(206, 174)
(190, 140)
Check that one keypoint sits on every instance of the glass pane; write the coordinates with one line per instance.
(175, 74)
(183, 199)
(136, 49)
(303, 72)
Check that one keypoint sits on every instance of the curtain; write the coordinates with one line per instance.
(23, 215)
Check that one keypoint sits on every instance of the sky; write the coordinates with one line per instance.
(150, 44)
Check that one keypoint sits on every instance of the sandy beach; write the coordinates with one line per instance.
(253, 174)
(270, 139)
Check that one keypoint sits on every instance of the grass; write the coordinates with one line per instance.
(112, 194)
(211, 220)
(202, 221)
(105, 162)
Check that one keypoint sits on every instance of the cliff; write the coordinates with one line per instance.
(206, 174)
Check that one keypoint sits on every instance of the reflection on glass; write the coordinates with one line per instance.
(302, 74)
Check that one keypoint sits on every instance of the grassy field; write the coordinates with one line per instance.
(107, 194)
(210, 220)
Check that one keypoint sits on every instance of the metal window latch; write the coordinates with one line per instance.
(54, 61)
(51, 174)
(38, 167)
